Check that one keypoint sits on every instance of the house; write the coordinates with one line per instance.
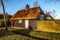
(26, 18)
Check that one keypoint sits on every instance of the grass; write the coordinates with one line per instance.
(40, 33)
(14, 36)
(46, 34)
(0, 35)
(22, 34)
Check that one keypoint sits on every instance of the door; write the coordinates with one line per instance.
(26, 24)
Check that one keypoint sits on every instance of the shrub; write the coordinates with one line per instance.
(1, 23)
(8, 23)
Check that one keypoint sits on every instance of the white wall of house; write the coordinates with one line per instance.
(26, 24)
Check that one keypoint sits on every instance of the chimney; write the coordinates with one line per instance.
(27, 6)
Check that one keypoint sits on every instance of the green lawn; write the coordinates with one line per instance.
(22, 34)
(40, 33)
(46, 34)
(14, 36)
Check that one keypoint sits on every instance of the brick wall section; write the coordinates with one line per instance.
(17, 24)
(33, 24)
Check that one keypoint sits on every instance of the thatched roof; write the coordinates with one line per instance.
(30, 13)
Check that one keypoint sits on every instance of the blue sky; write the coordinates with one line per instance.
(12, 6)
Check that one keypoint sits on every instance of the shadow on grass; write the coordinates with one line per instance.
(5, 33)
(26, 32)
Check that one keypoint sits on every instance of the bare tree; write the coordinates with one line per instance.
(53, 13)
(4, 15)
(35, 3)
(55, 1)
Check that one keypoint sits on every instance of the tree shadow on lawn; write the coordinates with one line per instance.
(26, 32)
(4, 33)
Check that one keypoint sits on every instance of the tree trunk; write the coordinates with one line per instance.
(4, 15)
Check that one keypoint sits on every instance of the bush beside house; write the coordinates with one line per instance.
(2, 20)
(1, 23)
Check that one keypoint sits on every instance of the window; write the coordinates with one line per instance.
(41, 17)
(19, 21)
